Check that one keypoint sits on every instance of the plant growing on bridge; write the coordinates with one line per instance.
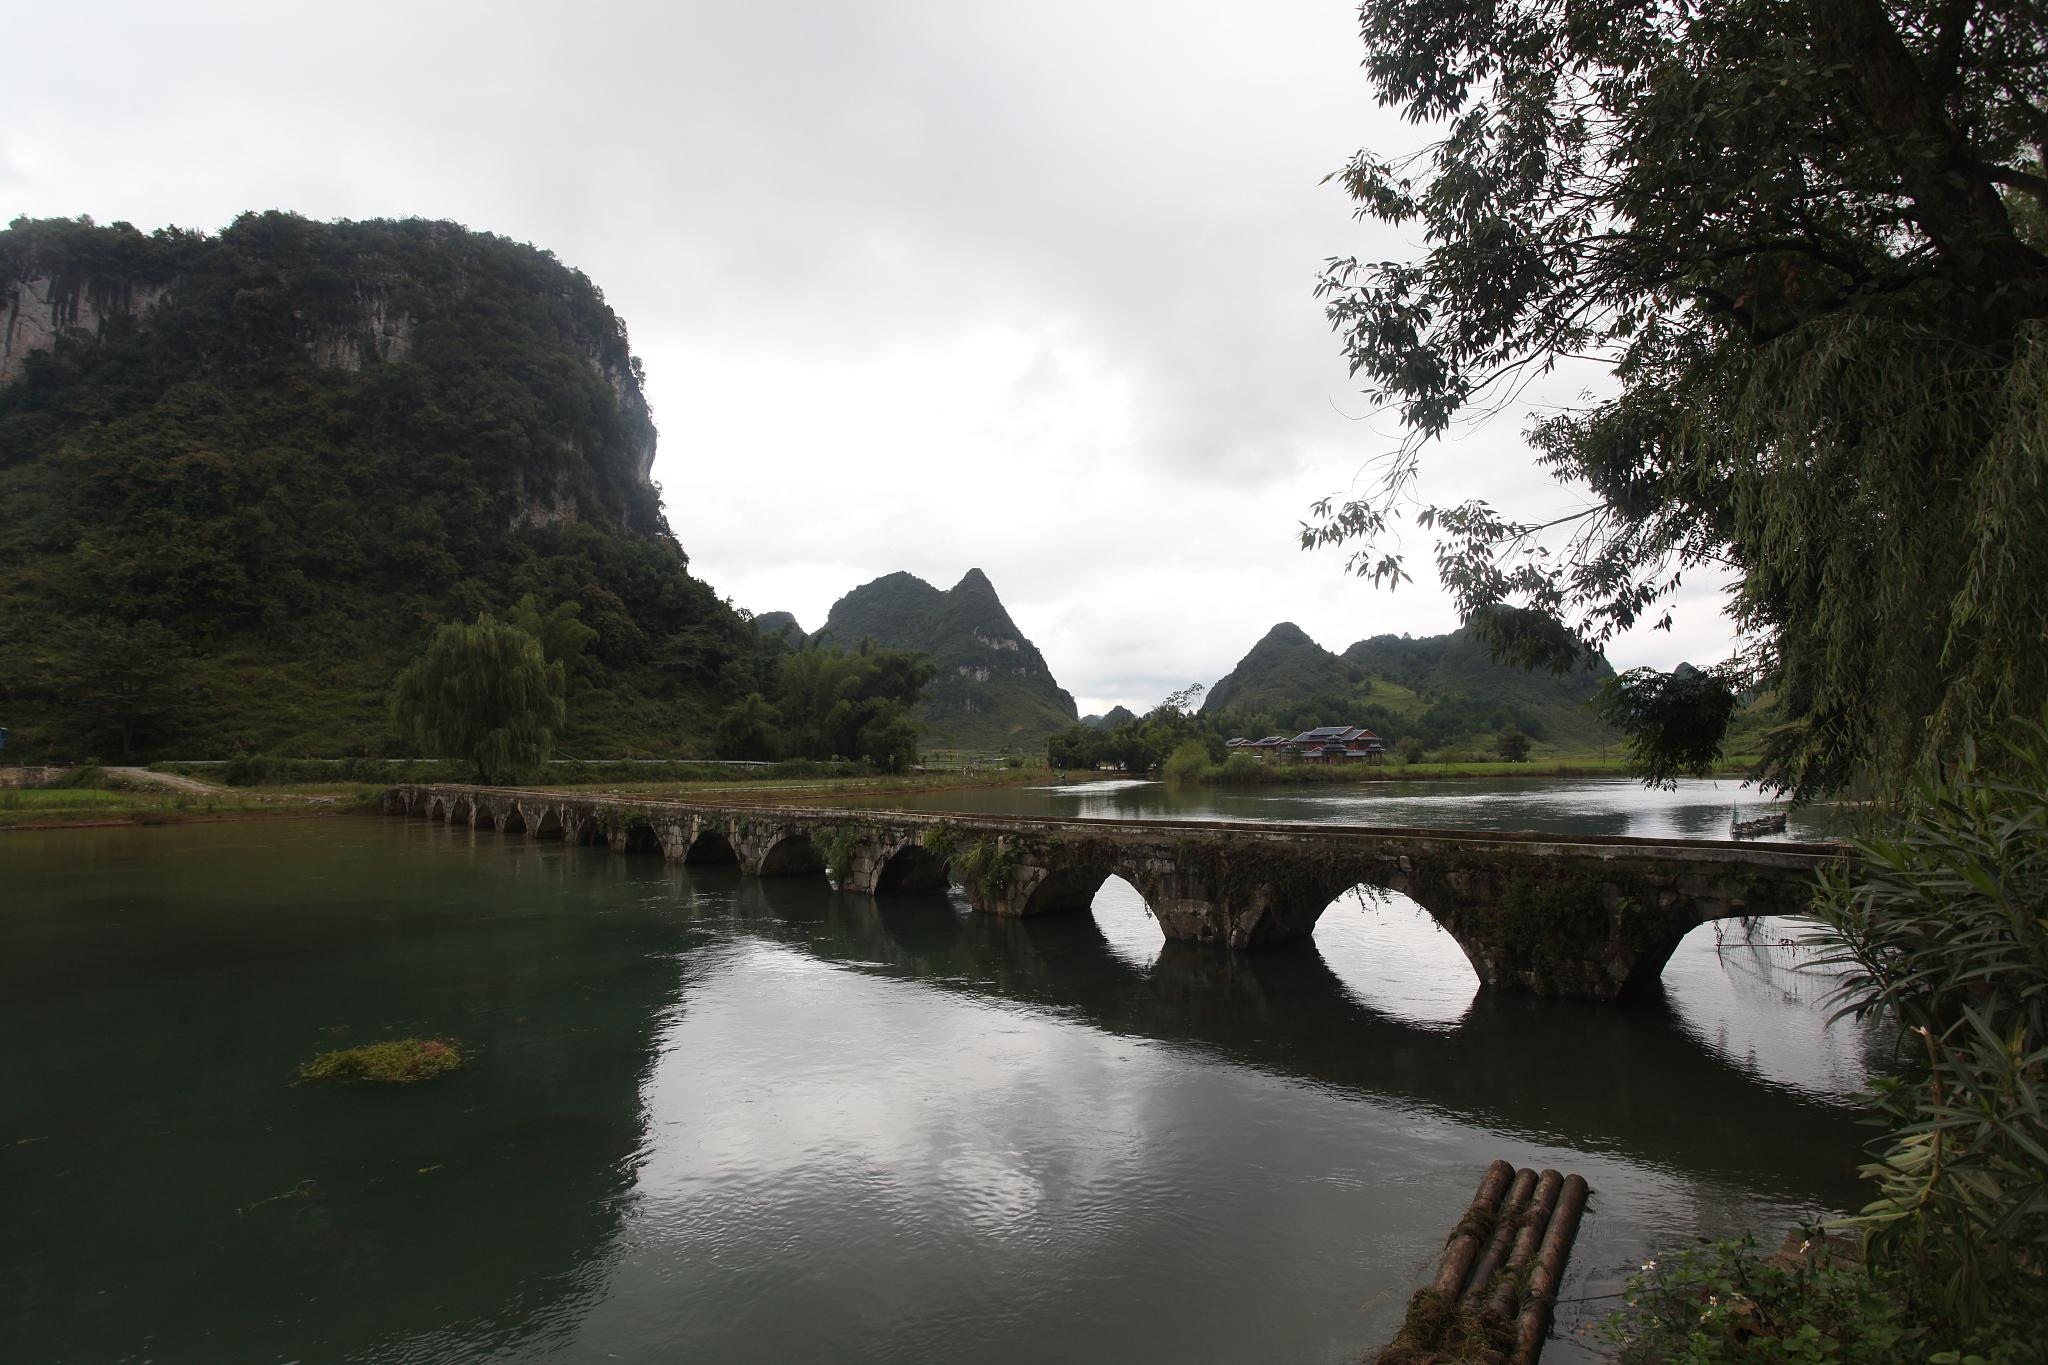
(987, 866)
(485, 694)
(838, 843)
(939, 840)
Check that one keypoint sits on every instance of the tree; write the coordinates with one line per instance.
(562, 636)
(1804, 238)
(483, 694)
(840, 703)
(1512, 745)
(750, 728)
(1077, 746)
(126, 680)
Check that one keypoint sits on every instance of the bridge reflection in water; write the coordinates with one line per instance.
(1633, 1082)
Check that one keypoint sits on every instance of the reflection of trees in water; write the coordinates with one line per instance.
(1592, 1076)
(243, 1219)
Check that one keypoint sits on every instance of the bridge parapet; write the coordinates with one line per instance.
(1592, 918)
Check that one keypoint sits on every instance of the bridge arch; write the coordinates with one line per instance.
(461, 811)
(1066, 888)
(910, 867)
(486, 818)
(514, 821)
(791, 855)
(549, 825)
(438, 810)
(711, 846)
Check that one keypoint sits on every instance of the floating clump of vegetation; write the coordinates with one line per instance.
(398, 1061)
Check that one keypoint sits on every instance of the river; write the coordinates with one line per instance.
(715, 1118)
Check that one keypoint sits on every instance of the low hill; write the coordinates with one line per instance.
(1288, 683)
(246, 475)
(1470, 692)
(993, 688)
(1442, 689)
(1118, 715)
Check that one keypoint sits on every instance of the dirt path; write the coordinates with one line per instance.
(143, 777)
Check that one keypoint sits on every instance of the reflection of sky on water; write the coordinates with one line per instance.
(1694, 809)
(1392, 958)
(843, 1164)
(1128, 925)
(1752, 993)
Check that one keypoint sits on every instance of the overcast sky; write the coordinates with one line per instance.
(919, 286)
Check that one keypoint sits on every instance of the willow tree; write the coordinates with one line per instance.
(1804, 238)
(483, 694)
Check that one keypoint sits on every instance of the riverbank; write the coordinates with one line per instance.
(1241, 771)
(101, 807)
(124, 802)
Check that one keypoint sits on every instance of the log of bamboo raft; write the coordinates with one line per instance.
(1490, 1301)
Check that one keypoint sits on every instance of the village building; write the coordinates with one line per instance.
(1338, 744)
(1324, 744)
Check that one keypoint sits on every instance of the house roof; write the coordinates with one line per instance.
(1338, 734)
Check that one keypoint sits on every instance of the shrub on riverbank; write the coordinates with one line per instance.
(1941, 925)
(1945, 927)
(88, 774)
(1721, 1304)
(399, 1061)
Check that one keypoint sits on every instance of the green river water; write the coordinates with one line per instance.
(720, 1119)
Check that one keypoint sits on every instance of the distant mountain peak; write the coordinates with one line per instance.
(993, 686)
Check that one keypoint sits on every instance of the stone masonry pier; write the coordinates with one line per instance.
(1559, 915)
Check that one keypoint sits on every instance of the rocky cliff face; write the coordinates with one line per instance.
(37, 310)
(993, 689)
(346, 296)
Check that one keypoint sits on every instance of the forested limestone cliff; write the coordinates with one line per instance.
(246, 474)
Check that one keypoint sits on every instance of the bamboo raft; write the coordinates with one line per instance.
(1491, 1300)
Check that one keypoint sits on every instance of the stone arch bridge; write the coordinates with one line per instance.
(1560, 915)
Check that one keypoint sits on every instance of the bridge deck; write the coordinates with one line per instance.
(1778, 853)
(1590, 915)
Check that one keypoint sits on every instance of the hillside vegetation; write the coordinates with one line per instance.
(257, 469)
(1440, 689)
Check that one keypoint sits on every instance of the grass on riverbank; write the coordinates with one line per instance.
(58, 807)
